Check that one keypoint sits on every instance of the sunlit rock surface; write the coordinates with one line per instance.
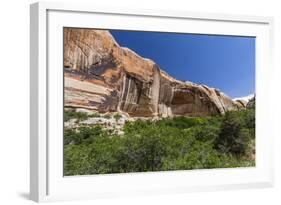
(102, 76)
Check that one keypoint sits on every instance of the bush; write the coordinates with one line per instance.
(68, 114)
(234, 136)
(178, 143)
(107, 116)
(117, 117)
(94, 115)
(181, 122)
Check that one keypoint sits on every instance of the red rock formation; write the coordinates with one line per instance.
(100, 75)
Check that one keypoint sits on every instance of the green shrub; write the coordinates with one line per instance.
(94, 115)
(77, 160)
(68, 114)
(181, 122)
(107, 116)
(117, 117)
(178, 143)
(234, 136)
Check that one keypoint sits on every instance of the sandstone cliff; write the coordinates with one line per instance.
(100, 75)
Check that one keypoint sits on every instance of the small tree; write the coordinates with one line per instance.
(231, 139)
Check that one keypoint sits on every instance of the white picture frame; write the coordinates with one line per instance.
(46, 178)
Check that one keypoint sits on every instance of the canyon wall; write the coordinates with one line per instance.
(100, 75)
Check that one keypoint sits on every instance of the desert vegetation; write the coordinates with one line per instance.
(178, 143)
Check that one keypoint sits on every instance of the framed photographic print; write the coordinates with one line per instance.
(127, 102)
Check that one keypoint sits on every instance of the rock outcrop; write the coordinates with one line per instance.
(100, 75)
(251, 103)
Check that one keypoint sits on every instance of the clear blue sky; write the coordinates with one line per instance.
(223, 62)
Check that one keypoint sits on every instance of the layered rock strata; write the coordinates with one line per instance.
(100, 75)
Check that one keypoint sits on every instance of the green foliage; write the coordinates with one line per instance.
(94, 115)
(117, 117)
(236, 132)
(178, 143)
(68, 114)
(107, 116)
(181, 122)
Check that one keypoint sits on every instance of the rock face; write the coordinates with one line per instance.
(100, 75)
(251, 103)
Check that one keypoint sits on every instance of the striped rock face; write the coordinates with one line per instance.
(100, 75)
